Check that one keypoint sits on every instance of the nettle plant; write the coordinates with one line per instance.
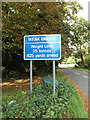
(41, 104)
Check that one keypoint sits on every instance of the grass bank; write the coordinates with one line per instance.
(81, 69)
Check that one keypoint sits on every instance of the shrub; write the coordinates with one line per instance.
(41, 103)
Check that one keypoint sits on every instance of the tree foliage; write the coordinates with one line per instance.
(21, 19)
(80, 37)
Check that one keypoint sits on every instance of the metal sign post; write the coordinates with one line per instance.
(54, 77)
(30, 76)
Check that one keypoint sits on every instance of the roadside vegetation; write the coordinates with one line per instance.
(78, 64)
(43, 104)
(82, 69)
(20, 19)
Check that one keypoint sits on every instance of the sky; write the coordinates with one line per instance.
(83, 13)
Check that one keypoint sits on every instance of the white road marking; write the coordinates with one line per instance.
(77, 73)
(85, 76)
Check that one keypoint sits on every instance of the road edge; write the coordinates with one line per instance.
(82, 94)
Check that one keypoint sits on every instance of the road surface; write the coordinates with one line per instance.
(79, 77)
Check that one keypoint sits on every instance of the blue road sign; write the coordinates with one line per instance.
(42, 47)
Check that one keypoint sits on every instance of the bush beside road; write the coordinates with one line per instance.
(42, 104)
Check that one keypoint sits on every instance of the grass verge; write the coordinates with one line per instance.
(76, 107)
(43, 104)
(81, 69)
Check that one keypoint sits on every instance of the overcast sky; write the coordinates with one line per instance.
(84, 13)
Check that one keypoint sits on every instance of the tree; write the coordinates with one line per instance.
(21, 19)
(80, 37)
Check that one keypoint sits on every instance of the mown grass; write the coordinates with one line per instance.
(67, 103)
(81, 69)
(76, 107)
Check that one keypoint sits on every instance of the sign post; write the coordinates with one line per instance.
(30, 76)
(54, 77)
(42, 47)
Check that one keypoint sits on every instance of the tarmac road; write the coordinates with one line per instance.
(79, 77)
